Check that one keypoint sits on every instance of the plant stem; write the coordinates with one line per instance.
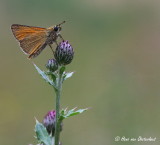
(58, 94)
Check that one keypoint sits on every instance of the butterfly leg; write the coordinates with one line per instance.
(56, 43)
(61, 37)
(51, 48)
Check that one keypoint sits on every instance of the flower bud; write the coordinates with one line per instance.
(49, 122)
(52, 65)
(64, 53)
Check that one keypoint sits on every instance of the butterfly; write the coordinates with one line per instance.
(34, 39)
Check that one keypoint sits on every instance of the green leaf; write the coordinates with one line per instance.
(53, 76)
(45, 77)
(62, 69)
(65, 114)
(42, 134)
(68, 75)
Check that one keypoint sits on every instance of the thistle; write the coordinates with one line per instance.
(52, 65)
(64, 53)
(48, 132)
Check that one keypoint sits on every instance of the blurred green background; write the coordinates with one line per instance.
(117, 64)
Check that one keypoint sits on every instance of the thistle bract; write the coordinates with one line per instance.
(64, 53)
(52, 65)
(49, 122)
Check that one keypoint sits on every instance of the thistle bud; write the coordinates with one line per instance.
(64, 53)
(49, 122)
(52, 65)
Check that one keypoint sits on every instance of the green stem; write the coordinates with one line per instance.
(58, 94)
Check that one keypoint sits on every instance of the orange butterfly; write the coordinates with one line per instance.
(34, 39)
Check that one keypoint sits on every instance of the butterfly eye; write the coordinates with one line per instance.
(55, 28)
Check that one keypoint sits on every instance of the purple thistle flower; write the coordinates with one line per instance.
(64, 53)
(49, 122)
(52, 65)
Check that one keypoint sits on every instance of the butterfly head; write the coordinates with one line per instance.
(58, 28)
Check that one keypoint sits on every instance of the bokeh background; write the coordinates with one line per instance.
(117, 64)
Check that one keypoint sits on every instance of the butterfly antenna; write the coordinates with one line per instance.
(62, 23)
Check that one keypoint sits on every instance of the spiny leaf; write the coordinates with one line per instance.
(68, 75)
(65, 114)
(45, 76)
(42, 134)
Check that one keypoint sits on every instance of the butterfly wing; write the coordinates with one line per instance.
(32, 39)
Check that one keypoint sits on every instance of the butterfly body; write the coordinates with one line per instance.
(34, 39)
(51, 36)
